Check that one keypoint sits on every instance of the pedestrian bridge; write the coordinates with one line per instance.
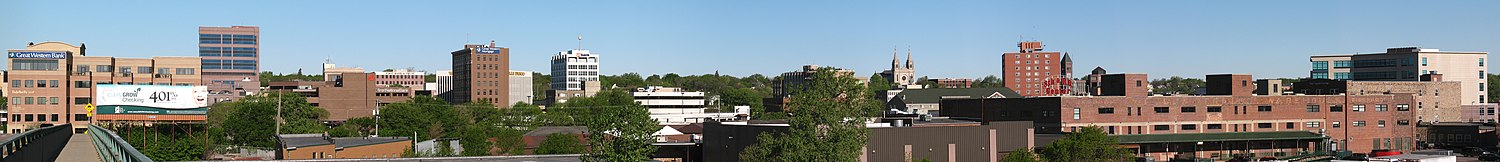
(58, 143)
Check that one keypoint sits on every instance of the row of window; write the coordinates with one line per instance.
(33, 83)
(226, 42)
(44, 117)
(234, 67)
(216, 36)
(33, 101)
(583, 66)
(26, 64)
(226, 54)
(1287, 125)
(235, 49)
(1034, 55)
(1262, 108)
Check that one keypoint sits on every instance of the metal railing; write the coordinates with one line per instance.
(114, 149)
(19, 141)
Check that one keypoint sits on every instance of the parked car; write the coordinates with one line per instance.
(1489, 157)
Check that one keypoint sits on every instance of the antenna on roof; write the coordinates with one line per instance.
(580, 41)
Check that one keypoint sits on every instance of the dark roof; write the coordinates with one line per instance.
(936, 95)
(345, 142)
(304, 140)
(1066, 58)
(943, 121)
(695, 128)
(544, 131)
(1221, 136)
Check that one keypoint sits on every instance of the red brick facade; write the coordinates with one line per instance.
(1032, 72)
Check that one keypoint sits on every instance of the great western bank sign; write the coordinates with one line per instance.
(489, 50)
(38, 54)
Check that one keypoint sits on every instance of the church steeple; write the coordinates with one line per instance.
(909, 64)
(895, 60)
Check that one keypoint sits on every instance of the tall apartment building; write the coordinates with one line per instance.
(52, 82)
(404, 77)
(902, 77)
(521, 89)
(481, 72)
(1033, 72)
(231, 55)
(1408, 64)
(1225, 120)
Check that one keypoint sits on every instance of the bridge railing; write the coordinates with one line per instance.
(112, 148)
(19, 141)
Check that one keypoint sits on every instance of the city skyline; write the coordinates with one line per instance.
(948, 39)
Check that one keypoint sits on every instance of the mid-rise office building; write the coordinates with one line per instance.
(442, 85)
(403, 77)
(1223, 122)
(670, 100)
(52, 82)
(481, 73)
(521, 89)
(231, 61)
(349, 95)
(573, 67)
(901, 77)
(1408, 64)
(1033, 72)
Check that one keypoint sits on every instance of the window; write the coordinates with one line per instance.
(1263, 125)
(1215, 109)
(1076, 113)
(54, 117)
(1215, 126)
(1380, 123)
(1342, 64)
(1335, 108)
(53, 100)
(1313, 108)
(1313, 124)
(43, 65)
(82, 84)
(1290, 125)
(186, 71)
(80, 117)
(1424, 61)
(1161, 127)
(1106, 110)
(1189, 109)
(143, 69)
(1263, 108)
(82, 100)
(1357, 108)
(1137, 83)
(1381, 107)
(15, 83)
(1403, 107)
(29, 101)
(1189, 127)
(1481, 62)
(104, 68)
(1320, 65)
(1335, 124)
(1163, 110)
(1403, 122)
(30, 83)
(1320, 75)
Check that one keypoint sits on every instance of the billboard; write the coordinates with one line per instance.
(150, 99)
(38, 54)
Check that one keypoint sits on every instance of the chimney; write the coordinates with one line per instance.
(1228, 84)
(1133, 85)
(1432, 77)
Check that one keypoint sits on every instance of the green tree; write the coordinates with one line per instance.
(560, 143)
(1492, 86)
(1176, 85)
(989, 82)
(878, 85)
(252, 119)
(619, 128)
(1021, 155)
(826, 124)
(540, 83)
(1087, 144)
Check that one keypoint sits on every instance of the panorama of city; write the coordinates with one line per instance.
(751, 81)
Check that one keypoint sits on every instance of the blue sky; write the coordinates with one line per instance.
(948, 38)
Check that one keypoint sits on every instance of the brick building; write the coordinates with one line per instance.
(953, 82)
(404, 77)
(231, 61)
(935, 139)
(1262, 125)
(1033, 72)
(52, 82)
(349, 95)
(318, 146)
(1436, 101)
(481, 72)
